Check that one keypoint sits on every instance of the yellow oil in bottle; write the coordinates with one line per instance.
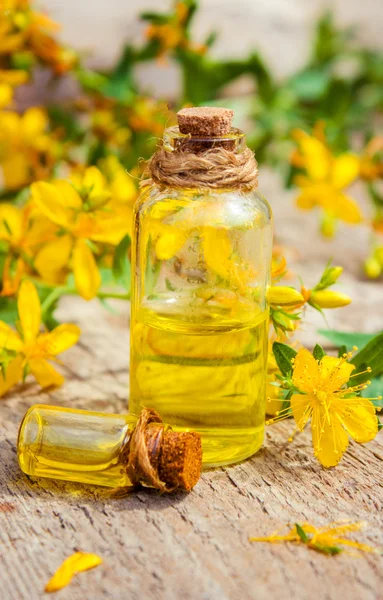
(201, 261)
(208, 378)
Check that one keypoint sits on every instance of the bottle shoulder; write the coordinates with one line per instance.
(228, 208)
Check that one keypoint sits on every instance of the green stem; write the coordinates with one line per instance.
(55, 294)
(112, 295)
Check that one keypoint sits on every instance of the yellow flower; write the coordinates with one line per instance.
(172, 34)
(26, 149)
(326, 178)
(335, 410)
(24, 232)
(327, 540)
(33, 349)
(122, 188)
(85, 214)
(107, 128)
(77, 563)
(22, 29)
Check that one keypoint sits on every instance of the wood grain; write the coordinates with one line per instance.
(196, 546)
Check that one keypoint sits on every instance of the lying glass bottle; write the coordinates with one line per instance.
(116, 451)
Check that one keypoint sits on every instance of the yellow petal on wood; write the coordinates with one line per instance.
(49, 201)
(345, 169)
(86, 273)
(77, 563)
(62, 337)
(28, 306)
(44, 373)
(13, 375)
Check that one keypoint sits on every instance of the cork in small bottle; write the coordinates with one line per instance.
(202, 125)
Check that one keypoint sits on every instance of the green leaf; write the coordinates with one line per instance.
(330, 550)
(283, 355)
(310, 85)
(346, 338)
(374, 390)
(370, 356)
(8, 310)
(302, 534)
(121, 263)
(318, 352)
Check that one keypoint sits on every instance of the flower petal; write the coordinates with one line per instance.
(94, 180)
(33, 124)
(49, 201)
(69, 196)
(9, 339)
(330, 440)
(52, 259)
(359, 419)
(334, 373)
(62, 337)
(344, 208)
(45, 374)
(13, 374)
(306, 371)
(11, 223)
(315, 156)
(77, 563)
(28, 306)
(345, 169)
(86, 273)
(301, 407)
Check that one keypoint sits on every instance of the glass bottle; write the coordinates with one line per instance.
(199, 320)
(116, 451)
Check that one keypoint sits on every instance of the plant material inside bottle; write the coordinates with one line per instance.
(199, 333)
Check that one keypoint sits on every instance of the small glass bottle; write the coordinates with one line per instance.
(201, 257)
(116, 451)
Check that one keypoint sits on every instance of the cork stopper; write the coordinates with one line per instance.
(180, 461)
(205, 121)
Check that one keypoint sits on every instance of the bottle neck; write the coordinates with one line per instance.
(175, 141)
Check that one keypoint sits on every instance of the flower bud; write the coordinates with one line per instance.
(283, 321)
(329, 299)
(284, 296)
(328, 226)
(372, 267)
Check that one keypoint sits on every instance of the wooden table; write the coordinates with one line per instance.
(196, 545)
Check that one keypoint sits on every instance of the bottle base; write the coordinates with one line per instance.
(224, 447)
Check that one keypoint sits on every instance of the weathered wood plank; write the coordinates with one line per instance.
(193, 546)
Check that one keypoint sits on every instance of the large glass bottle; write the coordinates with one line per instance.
(199, 322)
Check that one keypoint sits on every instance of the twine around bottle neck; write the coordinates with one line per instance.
(142, 452)
(215, 167)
